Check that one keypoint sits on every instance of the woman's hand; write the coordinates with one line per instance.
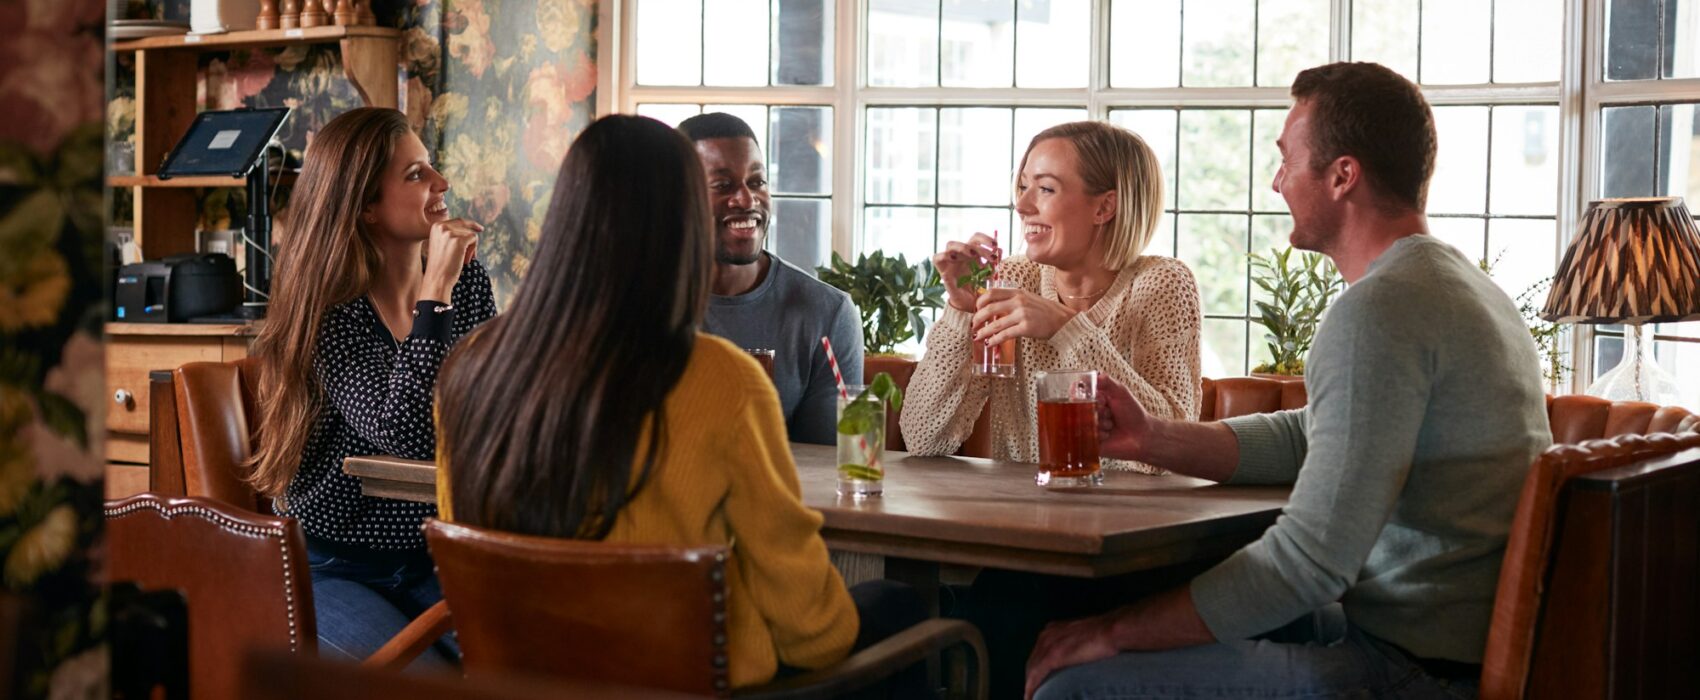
(451, 246)
(953, 262)
(1006, 314)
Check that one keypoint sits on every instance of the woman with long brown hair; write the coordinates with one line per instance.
(595, 409)
(375, 281)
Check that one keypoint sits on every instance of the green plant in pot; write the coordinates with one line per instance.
(1548, 336)
(1300, 289)
(891, 294)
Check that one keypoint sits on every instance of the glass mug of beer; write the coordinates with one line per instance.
(1068, 429)
(763, 356)
(995, 360)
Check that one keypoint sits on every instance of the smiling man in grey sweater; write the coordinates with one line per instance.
(1426, 411)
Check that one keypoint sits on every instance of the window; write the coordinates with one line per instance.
(930, 103)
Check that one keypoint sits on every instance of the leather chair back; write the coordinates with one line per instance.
(901, 369)
(1596, 593)
(215, 403)
(641, 615)
(1576, 418)
(1239, 396)
(244, 576)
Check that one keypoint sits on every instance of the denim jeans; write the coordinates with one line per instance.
(1317, 656)
(359, 605)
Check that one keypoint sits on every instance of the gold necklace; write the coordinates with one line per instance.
(1086, 296)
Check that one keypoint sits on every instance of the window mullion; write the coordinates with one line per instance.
(849, 59)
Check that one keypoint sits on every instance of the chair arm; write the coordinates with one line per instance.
(877, 662)
(413, 639)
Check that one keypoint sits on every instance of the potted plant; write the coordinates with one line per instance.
(1548, 335)
(1299, 292)
(892, 297)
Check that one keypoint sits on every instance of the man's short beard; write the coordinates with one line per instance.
(725, 257)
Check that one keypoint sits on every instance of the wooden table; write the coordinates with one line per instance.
(977, 512)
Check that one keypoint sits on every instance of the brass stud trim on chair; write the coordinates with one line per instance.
(228, 525)
(717, 584)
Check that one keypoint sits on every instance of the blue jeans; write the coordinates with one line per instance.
(359, 604)
(1317, 656)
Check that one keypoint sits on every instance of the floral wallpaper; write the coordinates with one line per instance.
(496, 88)
(52, 381)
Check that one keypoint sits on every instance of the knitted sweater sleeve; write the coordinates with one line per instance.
(1150, 346)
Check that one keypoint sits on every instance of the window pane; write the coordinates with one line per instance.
(1681, 360)
(669, 114)
(1268, 234)
(1215, 159)
(959, 224)
(801, 159)
(1163, 239)
(1632, 39)
(669, 42)
(1051, 47)
(1218, 43)
(978, 43)
(1608, 351)
(1266, 159)
(1679, 153)
(1459, 185)
(1627, 151)
(1384, 31)
(899, 230)
(802, 231)
(1526, 252)
(1527, 36)
(753, 115)
(1682, 40)
(1029, 122)
(1462, 57)
(1145, 43)
(1157, 127)
(1224, 347)
(901, 151)
(1525, 160)
(1469, 236)
(903, 43)
(729, 55)
(1214, 246)
(1292, 35)
(974, 156)
(802, 42)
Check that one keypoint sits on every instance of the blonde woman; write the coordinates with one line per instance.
(375, 281)
(1084, 297)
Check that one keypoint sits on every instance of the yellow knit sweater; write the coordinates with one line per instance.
(726, 477)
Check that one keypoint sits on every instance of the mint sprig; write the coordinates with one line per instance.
(862, 414)
(977, 276)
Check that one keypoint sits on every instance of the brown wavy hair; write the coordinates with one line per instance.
(1367, 111)
(326, 256)
(541, 410)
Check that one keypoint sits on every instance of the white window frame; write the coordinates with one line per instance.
(1581, 93)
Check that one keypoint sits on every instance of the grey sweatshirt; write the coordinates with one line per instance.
(788, 312)
(1426, 410)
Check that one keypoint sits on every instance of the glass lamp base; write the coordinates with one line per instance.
(1637, 377)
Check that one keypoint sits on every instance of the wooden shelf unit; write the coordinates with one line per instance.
(164, 210)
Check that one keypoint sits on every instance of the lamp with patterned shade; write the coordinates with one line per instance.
(1634, 261)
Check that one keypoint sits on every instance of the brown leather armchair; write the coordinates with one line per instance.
(1596, 593)
(640, 615)
(245, 579)
(901, 369)
(202, 432)
(1239, 396)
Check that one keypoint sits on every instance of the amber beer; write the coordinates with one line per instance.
(764, 356)
(995, 360)
(1068, 429)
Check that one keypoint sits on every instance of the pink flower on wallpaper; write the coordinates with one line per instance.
(553, 96)
(471, 45)
(49, 74)
(251, 74)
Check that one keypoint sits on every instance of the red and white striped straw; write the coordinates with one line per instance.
(832, 360)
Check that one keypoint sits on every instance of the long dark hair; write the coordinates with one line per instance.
(326, 257)
(540, 411)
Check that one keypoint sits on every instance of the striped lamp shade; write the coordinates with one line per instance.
(1633, 261)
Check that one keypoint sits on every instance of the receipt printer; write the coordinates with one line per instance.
(177, 288)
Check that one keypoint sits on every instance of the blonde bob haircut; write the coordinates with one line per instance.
(1114, 159)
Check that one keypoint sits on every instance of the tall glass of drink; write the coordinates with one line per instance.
(764, 356)
(995, 360)
(861, 444)
(1068, 429)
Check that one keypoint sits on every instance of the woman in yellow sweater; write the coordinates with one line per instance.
(595, 409)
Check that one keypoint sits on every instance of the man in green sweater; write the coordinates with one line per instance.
(1426, 410)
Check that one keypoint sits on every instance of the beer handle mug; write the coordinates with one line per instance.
(998, 360)
(764, 357)
(1068, 429)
